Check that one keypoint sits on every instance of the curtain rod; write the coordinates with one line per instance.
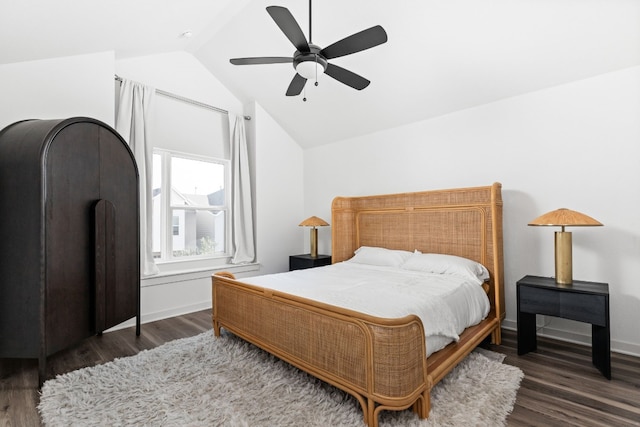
(188, 100)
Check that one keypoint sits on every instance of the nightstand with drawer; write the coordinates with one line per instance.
(582, 301)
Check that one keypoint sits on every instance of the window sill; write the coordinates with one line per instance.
(195, 273)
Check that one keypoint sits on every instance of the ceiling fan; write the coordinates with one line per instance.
(310, 60)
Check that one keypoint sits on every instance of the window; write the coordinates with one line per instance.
(176, 225)
(190, 206)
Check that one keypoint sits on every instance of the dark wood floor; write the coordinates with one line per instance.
(560, 388)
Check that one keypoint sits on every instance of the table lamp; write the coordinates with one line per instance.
(313, 222)
(564, 218)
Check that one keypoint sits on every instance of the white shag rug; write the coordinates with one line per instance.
(203, 381)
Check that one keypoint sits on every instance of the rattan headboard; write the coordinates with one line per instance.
(464, 221)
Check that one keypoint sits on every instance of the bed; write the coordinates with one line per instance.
(381, 361)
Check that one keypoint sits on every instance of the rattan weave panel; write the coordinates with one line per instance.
(402, 354)
(331, 345)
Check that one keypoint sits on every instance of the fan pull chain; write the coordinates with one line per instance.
(304, 93)
(316, 56)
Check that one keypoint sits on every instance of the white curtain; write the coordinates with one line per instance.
(242, 218)
(134, 124)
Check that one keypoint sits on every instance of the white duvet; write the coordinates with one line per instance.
(446, 304)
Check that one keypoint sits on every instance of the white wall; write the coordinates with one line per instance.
(575, 146)
(58, 88)
(279, 194)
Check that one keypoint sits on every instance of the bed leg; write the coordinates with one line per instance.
(422, 406)
(496, 336)
(371, 419)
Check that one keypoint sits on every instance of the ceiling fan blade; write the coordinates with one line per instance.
(296, 85)
(357, 42)
(289, 27)
(347, 77)
(261, 60)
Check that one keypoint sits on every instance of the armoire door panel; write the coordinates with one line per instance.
(105, 263)
(71, 188)
(20, 239)
(121, 171)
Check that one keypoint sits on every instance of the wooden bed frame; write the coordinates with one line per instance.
(382, 362)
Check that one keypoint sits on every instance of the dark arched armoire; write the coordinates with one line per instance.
(69, 235)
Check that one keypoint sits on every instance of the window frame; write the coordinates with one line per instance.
(167, 209)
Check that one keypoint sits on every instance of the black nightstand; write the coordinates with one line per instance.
(582, 301)
(300, 262)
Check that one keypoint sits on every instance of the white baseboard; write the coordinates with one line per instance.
(175, 293)
(164, 314)
(574, 337)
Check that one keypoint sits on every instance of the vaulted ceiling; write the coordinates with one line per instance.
(441, 56)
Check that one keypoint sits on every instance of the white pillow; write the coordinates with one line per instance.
(380, 256)
(447, 264)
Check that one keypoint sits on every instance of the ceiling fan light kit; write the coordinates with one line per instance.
(311, 61)
(310, 65)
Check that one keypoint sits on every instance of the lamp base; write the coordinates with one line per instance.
(313, 238)
(564, 269)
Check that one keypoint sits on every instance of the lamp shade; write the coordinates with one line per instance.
(313, 221)
(565, 217)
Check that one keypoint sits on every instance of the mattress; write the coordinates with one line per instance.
(445, 303)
